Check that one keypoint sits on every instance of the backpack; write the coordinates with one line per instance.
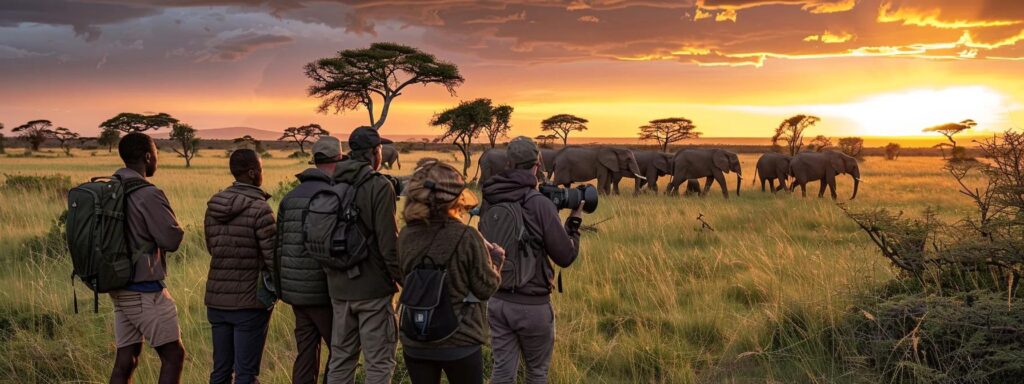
(97, 234)
(334, 235)
(426, 313)
(505, 225)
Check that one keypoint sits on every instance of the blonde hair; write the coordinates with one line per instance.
(448, 196)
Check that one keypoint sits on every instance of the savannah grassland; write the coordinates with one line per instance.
(652, 298)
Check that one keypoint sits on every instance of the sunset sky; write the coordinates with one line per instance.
(736, 67)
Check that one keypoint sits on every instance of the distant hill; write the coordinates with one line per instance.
(227, 133)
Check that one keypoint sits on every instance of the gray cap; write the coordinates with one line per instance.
(326, 150)
(522, 151)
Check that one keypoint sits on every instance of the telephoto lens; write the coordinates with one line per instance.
(570, 198)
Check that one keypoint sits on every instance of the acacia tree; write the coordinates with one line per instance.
(499, 125)
(852, 146)
(35, 132)
(791, 132)
(819, 143)
(892, 151)
(65, 137)
(462, 124)
(109, 138)
(185, 136)
(545, 140)
(563, 124)
(949, 130)
(250, 142)
(356, 77)
(136, 122)
(303, 134)
(668, 131)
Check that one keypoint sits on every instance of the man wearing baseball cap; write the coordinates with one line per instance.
(299, 278)
(361, 296)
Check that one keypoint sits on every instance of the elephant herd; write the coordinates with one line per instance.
(608, 165)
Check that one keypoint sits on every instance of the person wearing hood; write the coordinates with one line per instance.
(299, 278)
(521, 319)
(362, 295)
(240, 235)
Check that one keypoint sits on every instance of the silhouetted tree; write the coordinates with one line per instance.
(668, 131)
(66, 138)
(942, 148)
(355, 77)
(499, 126)
(852, 146)
(545, 140)
(949, 130)
(892, 151)
(462, 124)
(303, 134)
(791, 132)
(819, 143)
(109, 138)
(135, 122)
(2, 151)
(563, 124)
(35, 132)
(185, 136)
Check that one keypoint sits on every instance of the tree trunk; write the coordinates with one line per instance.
(383, 113)
(565, 140)
(664, 146)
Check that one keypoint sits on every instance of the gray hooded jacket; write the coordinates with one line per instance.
(300, 279)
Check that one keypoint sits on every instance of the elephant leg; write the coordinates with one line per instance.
(821, 189)
(707, 185)
(720, 178)
(771, 185)
(803, 189)
(782, 184)
(762, 183)
(832, 186)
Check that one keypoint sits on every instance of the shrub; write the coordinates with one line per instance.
(52, 244)
(892, 151)
(852, 146)
(266, 155)
(44, 183)
(298, 155)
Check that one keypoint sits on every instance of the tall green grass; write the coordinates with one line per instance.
(653, 298)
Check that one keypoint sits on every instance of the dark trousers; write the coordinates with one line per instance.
(467, 370)
(238, 339)
(312, 325)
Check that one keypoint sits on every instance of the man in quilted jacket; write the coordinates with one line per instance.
(300, 279)
(240, 235)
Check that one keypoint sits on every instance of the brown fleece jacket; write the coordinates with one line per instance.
(240, 234)
(470, 270)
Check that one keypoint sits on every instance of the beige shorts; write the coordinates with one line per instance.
(149, 316)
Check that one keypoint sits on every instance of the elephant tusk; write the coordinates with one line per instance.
(639, 177)
(859, 180)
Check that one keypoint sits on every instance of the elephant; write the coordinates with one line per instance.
(824, 166)
(652, 166)
(579, 164)
(771, 167)
(549, 155)
(495, 160)
(711, 164)
(389, 157)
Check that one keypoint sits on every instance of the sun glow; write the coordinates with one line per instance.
(907, 113)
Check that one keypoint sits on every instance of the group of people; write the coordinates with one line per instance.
(501, 296)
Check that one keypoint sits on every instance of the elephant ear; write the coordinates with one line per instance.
(837, 162)
(662, 163)
(608, 158)
(721, 160)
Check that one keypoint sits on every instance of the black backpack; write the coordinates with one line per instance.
(334, 235)
(97, 234)
(504, 224)
(426, 311)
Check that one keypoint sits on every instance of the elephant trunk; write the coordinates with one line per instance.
(856, 184)
(739, 182)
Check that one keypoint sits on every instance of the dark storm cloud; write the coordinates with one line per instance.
(236, 45)
(84, 19)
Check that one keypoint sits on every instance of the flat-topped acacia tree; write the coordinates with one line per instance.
(562, 125)
(136, 122)
(358, 77)
(109, 138)
(35, 132)
(669, 130)
(66, 138)
(462, 124)
(791, 131)
(185, 136)
(303, 134)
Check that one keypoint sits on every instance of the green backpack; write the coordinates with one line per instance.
(97, 234)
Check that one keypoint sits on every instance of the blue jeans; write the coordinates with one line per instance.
(238, 339)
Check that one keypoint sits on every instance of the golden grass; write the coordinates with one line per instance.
(652, 297)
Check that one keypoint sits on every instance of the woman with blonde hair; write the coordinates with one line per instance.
(450, 273)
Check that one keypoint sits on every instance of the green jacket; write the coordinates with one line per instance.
(470, 270)
(379, 275)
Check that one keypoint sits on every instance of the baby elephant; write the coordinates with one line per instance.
(771, 167)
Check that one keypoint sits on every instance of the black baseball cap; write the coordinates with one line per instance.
(365, 138)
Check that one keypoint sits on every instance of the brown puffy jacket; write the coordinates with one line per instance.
(240, 235)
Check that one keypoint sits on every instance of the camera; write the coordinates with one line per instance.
(570, 198)
(397, 182)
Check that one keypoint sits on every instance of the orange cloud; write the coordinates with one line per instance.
(932, 18)
(828, 37)
(589, 19)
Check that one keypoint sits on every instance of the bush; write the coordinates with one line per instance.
(52, 244)
(892, 151)
(284, 187)
(852, 146)
(298, 155)
(43, 183)
(266, 155)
